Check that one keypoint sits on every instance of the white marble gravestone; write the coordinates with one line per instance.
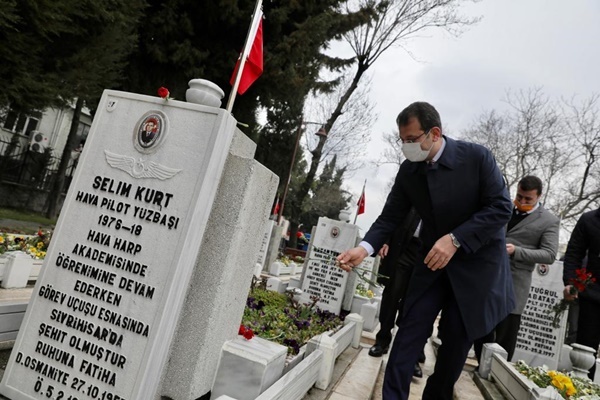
(538, 343)
(106, 308)
(321, 277)
(264, 244)
(353, 280)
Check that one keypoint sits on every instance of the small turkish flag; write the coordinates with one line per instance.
(361, 203)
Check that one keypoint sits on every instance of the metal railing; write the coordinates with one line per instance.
(18, 164)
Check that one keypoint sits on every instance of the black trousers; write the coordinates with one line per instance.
(505, 334)
(413, 330)
(394, 291)
(588, 327)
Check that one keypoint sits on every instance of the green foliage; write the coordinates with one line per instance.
(24, 222)
(327, 196)
(53, 51)
(278, 318)
(270, 298)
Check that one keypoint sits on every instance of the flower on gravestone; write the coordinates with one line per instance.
(569, 386)
(37, 246)
(578, 284)
(247, 333)
(164, 93)
(363, 291)
(12, 243)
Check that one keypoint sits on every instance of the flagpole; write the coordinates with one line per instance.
(361, 194)
(247, 46)
(289, 177)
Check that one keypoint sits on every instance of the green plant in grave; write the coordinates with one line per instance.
(363, 291)
(569, 386)
(281, 319)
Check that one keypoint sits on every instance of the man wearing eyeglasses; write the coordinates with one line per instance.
(463, 270)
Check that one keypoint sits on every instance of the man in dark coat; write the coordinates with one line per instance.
(397, 262)
(463, 271)
(585, 240)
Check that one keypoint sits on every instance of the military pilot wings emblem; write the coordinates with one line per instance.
(140, 168)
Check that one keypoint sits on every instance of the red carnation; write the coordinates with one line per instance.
(242, 330)
(163, 92)
(582, 279)
(248, 334)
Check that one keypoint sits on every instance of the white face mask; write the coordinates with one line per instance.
(413, 152)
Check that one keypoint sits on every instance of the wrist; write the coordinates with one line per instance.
(455, 241)
(365, 250)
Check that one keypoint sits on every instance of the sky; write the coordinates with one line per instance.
(517, 45)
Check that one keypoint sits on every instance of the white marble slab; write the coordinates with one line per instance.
(114, 278)
(321, 277)
(538, 343)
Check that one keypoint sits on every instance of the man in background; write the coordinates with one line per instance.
(397, 262)
(585, 240)
(531, 238)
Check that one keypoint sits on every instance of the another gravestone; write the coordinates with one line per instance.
(264, 244)
(538, 343)
(321, 277)
(154, 184)
(274, 245)
(365, 268)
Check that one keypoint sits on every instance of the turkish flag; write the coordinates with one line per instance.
(276, 207)
(253, 68)
(361, 203)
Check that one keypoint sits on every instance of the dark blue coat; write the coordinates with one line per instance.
(463, 193)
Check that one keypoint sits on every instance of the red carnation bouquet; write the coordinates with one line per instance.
(578, 284)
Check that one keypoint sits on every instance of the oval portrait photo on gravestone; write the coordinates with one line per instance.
(150, 132)
(542, 269)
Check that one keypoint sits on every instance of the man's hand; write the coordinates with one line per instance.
(567, 293)
(351, 258)
(384, 251)
(441, 253)
(510, 249)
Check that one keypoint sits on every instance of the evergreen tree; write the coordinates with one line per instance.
(328, 197)
(184, 39)
(87, 59)
(27, 27)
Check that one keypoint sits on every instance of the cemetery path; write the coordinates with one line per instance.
(361, 374)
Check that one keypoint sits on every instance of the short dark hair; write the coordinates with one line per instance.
(424, 112)
(531, 182)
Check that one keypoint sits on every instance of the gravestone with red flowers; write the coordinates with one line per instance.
(538, 341)
(149, 266)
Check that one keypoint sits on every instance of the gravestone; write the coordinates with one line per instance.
(144, 221)
(264, 244)
(538, 343)
(321, 277)
(274, 245)
(354, 280)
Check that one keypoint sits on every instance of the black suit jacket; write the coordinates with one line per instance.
(463, 193)
(585, 240)
(398, 243)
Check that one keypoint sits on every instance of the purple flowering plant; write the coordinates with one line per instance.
(282, 319)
